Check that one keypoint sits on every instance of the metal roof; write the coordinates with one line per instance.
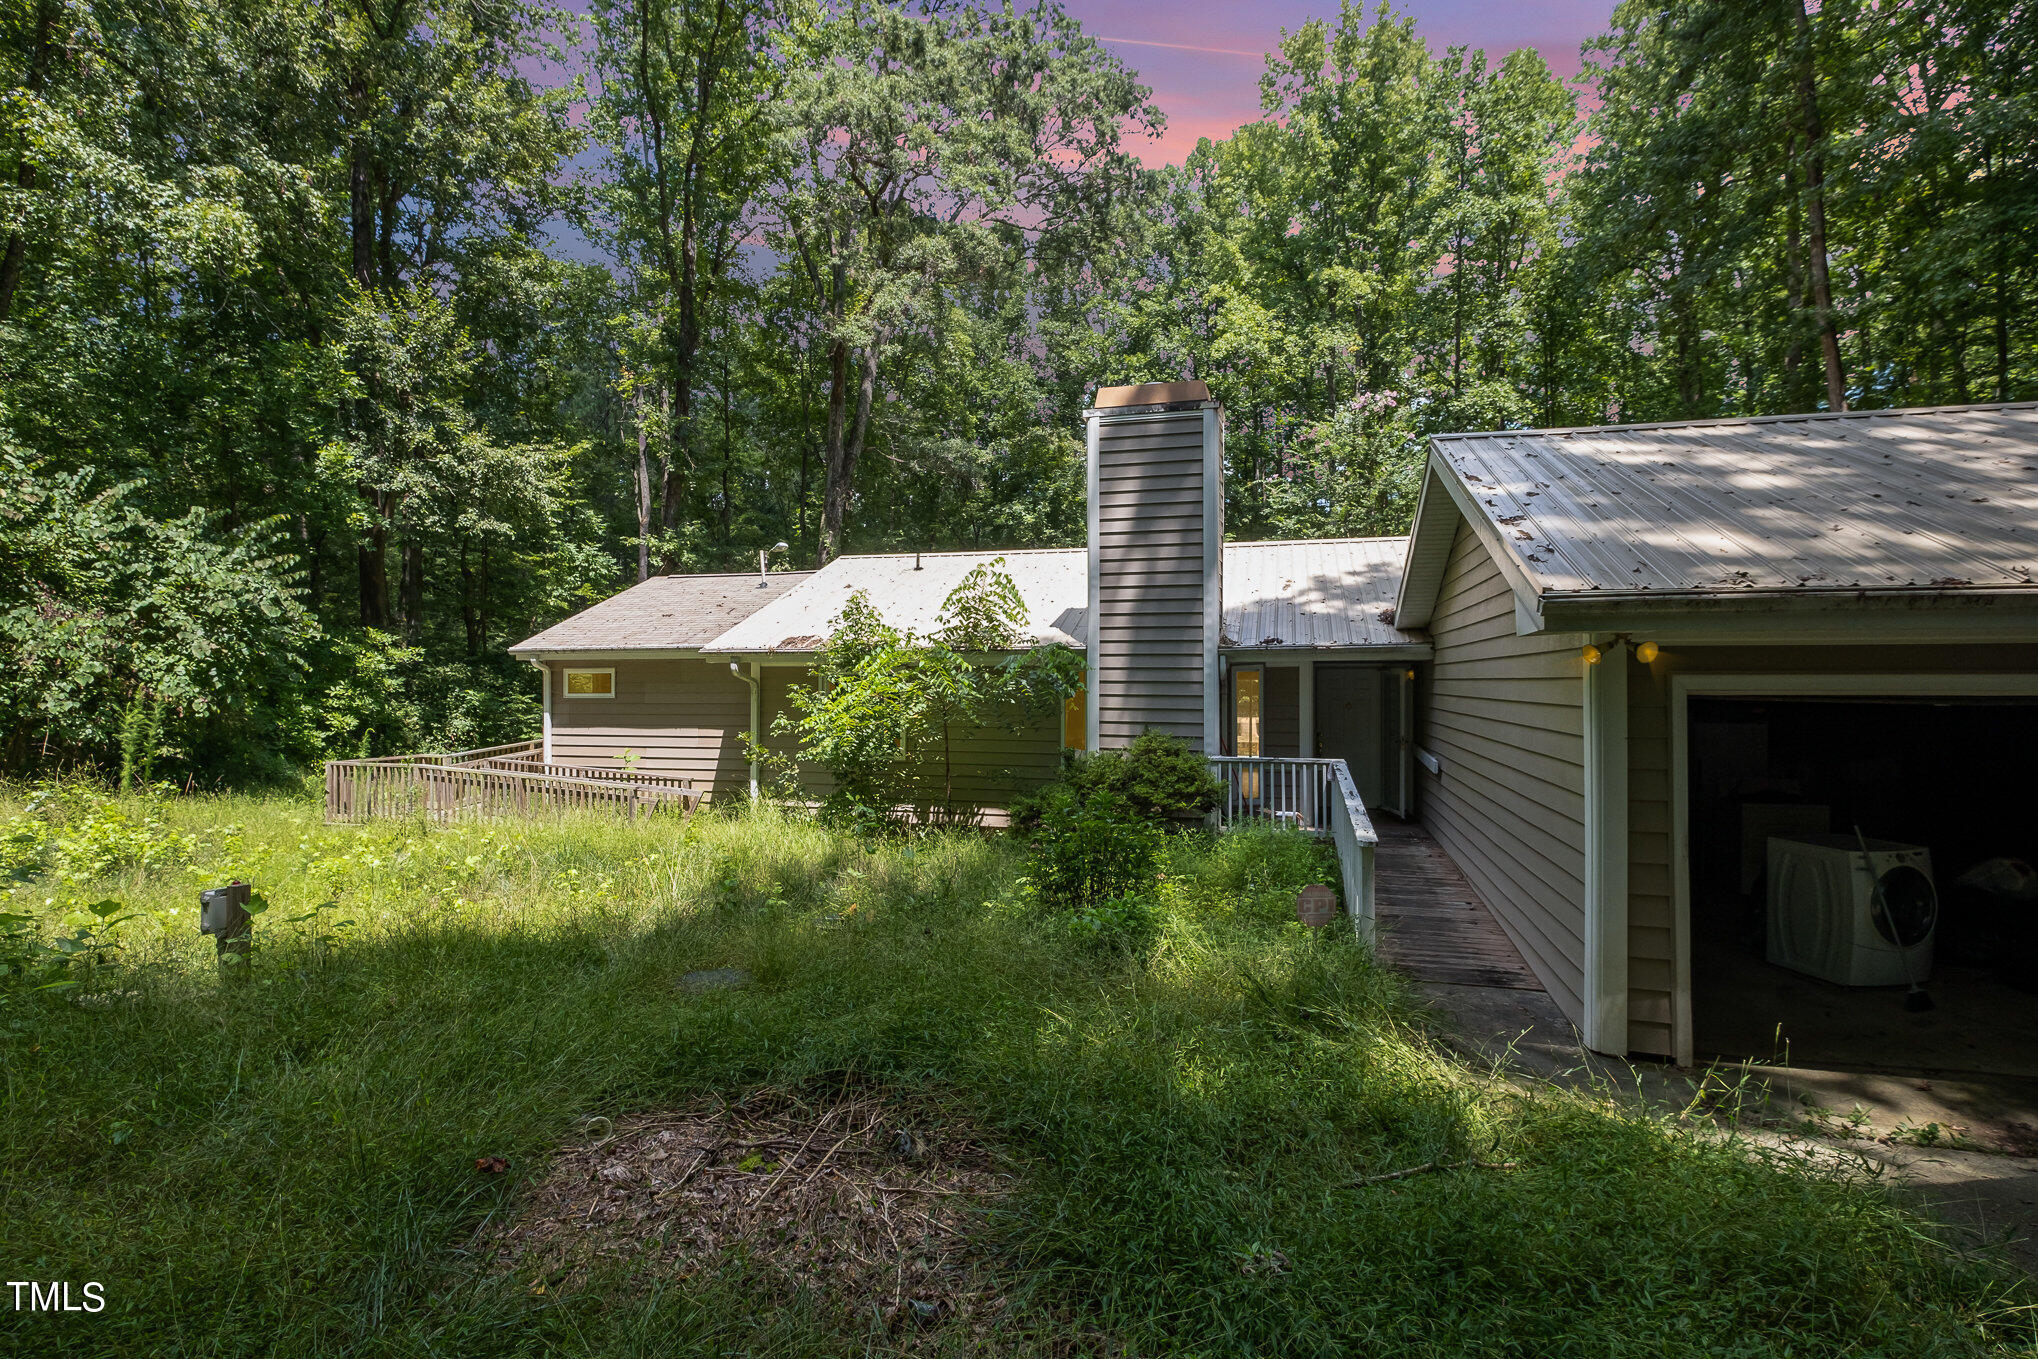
(908, 590)
(1334, 592)
(665, 612)
(1924, 499)
(1301, 594)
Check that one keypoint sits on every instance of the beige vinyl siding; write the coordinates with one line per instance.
(992, 765)
(1651, 904)
(1505, 717)
(679, 717)
(1149, 612)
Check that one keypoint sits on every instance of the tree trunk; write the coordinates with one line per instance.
(374, 567)
(470, 616)
(1793, 274)
(2002, 316)
(643, 495)
(672, 489)
(1815, 212)
(411, 592)
(845, 447)
(16, 251)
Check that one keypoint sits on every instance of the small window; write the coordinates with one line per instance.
(1074, 712)
(590, 684)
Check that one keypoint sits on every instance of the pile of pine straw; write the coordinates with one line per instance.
(864, 1202)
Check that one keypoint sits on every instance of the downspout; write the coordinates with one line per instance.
(1405, 748)
(546, 670)
(755, 680)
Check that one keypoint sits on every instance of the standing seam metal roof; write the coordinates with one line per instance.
(1926, 499)
(1320, 592)
(1299, 594)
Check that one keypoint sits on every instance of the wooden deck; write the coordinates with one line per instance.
(1431, 923)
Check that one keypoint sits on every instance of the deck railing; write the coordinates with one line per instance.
(494, 781)
(604, 773)
(1317, 796)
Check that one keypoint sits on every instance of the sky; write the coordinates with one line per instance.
(1203, 60)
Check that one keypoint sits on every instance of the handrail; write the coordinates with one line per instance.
(363, 790)
(444, 757)
(607, 773)
(1317, 796)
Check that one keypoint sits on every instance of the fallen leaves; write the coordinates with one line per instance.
(866, 1200)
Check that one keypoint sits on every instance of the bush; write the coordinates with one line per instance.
(1092, 849)
(1158, 776)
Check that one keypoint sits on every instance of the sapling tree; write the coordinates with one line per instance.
(884, 700)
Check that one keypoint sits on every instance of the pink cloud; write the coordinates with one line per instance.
(1204, 61)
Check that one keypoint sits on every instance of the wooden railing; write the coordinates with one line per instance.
(508, 750)
(493, 782)
(1316, 796)
(455, 791)
(606, 773)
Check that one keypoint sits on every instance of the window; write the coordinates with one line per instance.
(1073, 718)
(590, 684)
(1247, 682)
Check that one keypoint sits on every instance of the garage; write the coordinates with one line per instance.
(1861, 895)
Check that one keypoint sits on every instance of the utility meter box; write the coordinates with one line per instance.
(222, 914)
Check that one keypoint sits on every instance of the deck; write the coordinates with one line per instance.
(1430, 922)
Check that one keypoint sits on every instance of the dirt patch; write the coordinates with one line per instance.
(870, 1203)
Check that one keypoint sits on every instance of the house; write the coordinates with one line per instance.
(1187, 633)
(1604, 668)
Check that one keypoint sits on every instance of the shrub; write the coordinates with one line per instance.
(1158, 776)
(1092, 849)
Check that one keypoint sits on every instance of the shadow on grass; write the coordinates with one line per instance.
(289, 1165)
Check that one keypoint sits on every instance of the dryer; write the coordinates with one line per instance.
(1847, 917)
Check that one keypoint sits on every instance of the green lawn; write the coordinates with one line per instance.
(287, 1165)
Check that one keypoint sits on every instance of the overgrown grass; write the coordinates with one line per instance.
(287, 1165)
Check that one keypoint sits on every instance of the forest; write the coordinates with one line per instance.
(345, 342)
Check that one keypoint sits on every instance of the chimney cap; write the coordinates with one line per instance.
(1153, 394)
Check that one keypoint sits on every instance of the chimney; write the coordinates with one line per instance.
(1156, 493)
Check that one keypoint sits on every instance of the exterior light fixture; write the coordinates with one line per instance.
(1591, 655)
(764, 562)
(1647, 653)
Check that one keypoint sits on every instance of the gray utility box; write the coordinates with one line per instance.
(222, 914)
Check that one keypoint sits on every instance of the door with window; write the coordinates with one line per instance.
(1248, 720)
(1351, 724)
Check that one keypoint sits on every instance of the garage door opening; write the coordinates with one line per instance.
(1805, 949)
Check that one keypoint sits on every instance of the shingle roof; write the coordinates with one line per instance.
(665, 612)
(1054, 583)
(1926, 499)
(1334, 592)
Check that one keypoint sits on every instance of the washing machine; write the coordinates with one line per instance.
(1843, 916)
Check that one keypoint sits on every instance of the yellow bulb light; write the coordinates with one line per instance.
(1647, 653)
(1591, 655)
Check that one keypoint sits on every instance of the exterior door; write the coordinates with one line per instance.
(1351, 725)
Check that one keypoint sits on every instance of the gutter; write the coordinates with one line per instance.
(1809, 595)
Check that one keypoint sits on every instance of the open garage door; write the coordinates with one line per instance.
(1861, 897)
